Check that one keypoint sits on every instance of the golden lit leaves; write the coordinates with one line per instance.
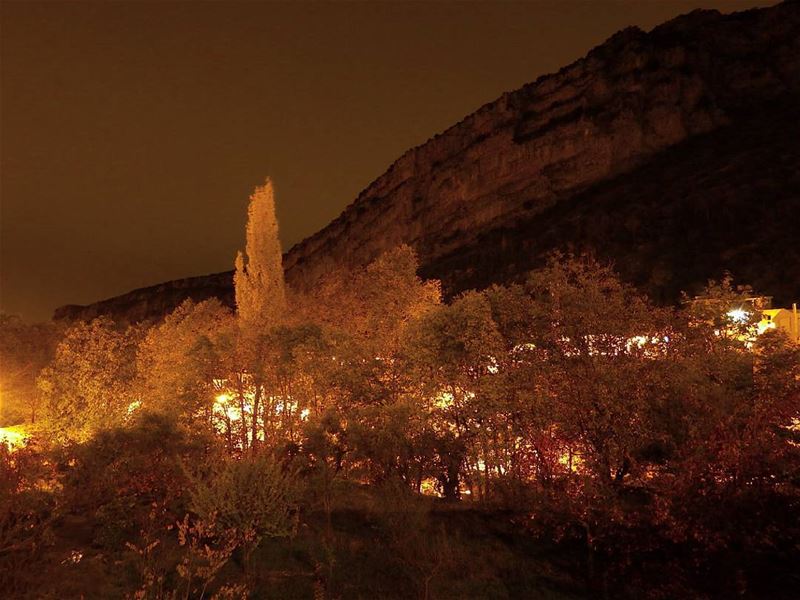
(260, 290)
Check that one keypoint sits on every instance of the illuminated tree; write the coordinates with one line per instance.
(248, 499)
(88, 385)
(179, 359)
(374, 304)
(726, 311)
(261, 306)
(363, 413)
(260, 291)
(24, 350)
(455, 351)
(596, 333)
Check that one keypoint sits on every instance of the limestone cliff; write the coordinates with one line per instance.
(473, 197)
(155, 301)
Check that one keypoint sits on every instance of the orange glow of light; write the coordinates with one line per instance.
(738, 315)
(13, 437)
(222, 404)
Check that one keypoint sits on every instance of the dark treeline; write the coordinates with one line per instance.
(563, 438)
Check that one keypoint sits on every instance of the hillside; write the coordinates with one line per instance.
(726, 200)
(674, 153)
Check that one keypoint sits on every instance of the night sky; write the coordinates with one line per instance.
(133, 133)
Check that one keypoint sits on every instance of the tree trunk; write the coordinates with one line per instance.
(254, 424)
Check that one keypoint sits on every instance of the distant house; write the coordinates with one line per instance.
(786, 319)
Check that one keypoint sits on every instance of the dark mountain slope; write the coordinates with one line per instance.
(695, 120)
(727, 200)
(155, 301)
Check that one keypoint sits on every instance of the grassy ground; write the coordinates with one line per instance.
(369, 547)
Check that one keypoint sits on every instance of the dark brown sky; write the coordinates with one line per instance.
(133, 132)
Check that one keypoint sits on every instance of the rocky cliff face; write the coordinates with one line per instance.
(728, 200)
(155, 301)
(506, 173)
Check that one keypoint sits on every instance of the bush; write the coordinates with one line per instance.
(120, 474)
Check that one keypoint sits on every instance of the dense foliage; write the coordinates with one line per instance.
(376, 442)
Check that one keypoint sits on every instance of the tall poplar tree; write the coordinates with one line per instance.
(260, 291)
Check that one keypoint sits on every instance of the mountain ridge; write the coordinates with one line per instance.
(531, 150)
